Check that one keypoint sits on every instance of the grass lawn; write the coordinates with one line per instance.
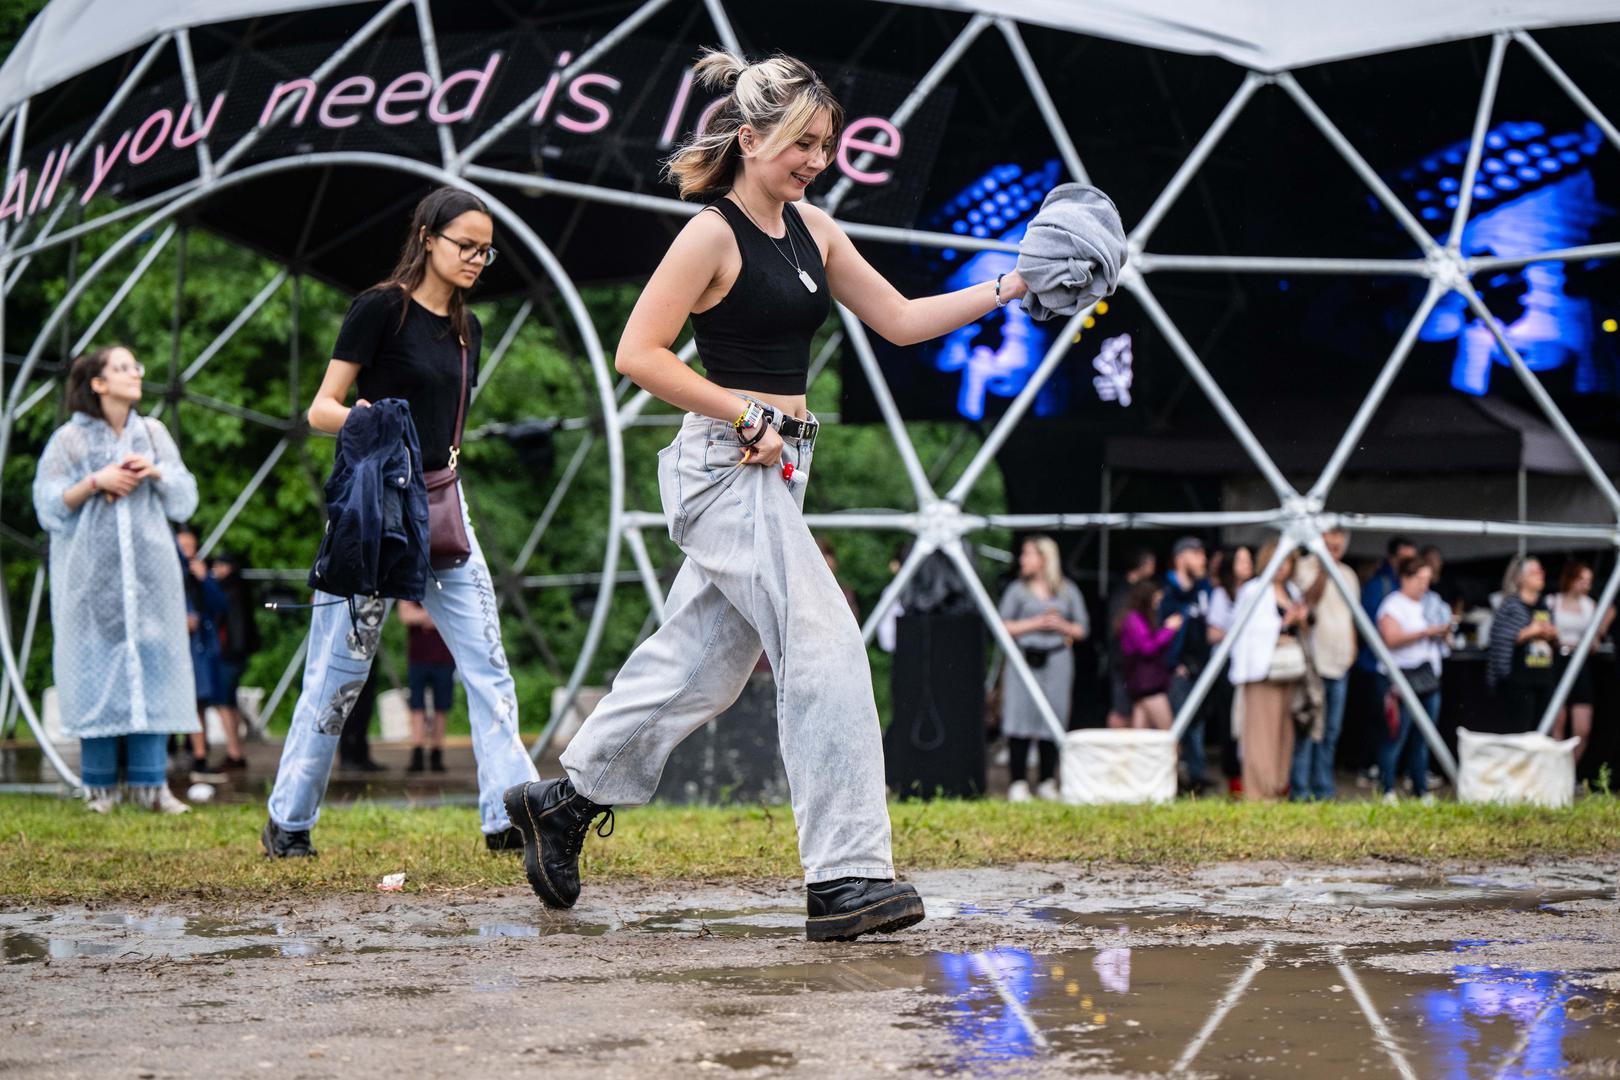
(54, 850)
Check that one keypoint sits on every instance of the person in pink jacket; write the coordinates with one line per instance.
(1145, 645)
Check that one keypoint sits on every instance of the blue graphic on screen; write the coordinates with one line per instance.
(998, 354)
(1535, 192)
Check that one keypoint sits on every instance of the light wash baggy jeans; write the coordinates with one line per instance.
(339, 659)
(753, 576)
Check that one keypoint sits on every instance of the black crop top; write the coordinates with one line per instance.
(417, 359)
(758, 336)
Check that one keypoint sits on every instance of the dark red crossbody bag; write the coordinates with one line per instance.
(448, 546)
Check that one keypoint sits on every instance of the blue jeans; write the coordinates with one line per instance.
(1416, 748)
(463, 607)
(1192, 740)
(1312, 774)
(753, 577)
(146, 764)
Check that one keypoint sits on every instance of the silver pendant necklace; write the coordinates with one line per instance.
(804, 275)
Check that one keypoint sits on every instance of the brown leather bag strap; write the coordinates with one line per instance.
(461, 409)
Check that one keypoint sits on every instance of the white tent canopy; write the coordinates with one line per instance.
(1275, 35)
(72, 36)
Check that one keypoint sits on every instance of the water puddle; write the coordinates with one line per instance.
(560, 925)
(1453, 895)
(1259, 1011)
(285, 950)
(744, 1060)
(76, 935)
(744, 923)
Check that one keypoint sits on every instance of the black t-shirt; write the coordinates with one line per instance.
(419, 361)
(1534, 660)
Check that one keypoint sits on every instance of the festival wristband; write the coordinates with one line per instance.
(763, 420)
(748, 417)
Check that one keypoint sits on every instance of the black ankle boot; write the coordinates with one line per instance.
(554, 819)
(435, 760)
(416, 760)
(509, 839)
(279, 843)
(845, 909)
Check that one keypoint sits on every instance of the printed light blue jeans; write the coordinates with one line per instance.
(464, 609)
(753, 577)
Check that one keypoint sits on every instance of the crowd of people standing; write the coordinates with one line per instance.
(1280, 710)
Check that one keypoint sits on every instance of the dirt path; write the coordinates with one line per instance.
(1251, 970)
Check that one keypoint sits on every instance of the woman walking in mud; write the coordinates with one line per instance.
(413, 338)
(756, 271)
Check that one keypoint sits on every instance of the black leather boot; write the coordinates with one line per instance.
(554, 819)
(845, 909)
(416, 764)
(279, 843)
(508, 839)
(436, 760)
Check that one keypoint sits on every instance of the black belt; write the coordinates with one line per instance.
(802, 432)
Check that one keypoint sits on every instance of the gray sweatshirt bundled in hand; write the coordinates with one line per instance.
(1072, 253)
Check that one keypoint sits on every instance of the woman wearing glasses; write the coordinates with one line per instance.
(108, 484)
(405, 338)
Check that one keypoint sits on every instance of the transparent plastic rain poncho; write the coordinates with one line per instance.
(118, 606)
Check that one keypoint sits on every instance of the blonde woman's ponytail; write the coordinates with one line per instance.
(718, 69)
(779, 98)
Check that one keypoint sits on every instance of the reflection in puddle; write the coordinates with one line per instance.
(1227, 1010)
(31, 948)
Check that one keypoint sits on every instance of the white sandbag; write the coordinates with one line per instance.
(213, 726)
(1118, 765)
(250, 703)
(394, 715)
(50, 714)
(585, 702)
(1525, 767)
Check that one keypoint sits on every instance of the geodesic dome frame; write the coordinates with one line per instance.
(938, 521)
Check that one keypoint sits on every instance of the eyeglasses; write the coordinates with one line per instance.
(138, 370)
(470, 251)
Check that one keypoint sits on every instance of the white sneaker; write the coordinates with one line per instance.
(159, 799)
(1047, 791)
(1018, 791)
(1391, 799)
(1428, 799)
(101, 800)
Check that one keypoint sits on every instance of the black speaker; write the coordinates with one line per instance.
(734, 758)
(935, 742)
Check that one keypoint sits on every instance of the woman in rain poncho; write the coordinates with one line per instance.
(107, 481)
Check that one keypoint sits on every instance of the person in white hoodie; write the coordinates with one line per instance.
(1267, 663)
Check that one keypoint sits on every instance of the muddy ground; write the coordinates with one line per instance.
(1239, 970)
